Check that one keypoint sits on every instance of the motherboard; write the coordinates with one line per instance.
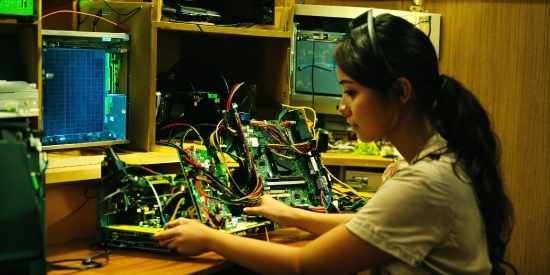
(243, 160)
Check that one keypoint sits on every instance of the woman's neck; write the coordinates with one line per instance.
(410, 137)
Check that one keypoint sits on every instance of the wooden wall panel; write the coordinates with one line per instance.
(500, 49)
(69, 214)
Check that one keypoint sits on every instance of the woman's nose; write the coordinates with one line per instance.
(341, 109)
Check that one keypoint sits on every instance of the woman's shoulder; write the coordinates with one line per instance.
(427, 179)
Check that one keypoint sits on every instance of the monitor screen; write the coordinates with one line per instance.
(84, 89)
(315, 69)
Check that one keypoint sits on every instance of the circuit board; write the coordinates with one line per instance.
(248, 159)
(275, 158)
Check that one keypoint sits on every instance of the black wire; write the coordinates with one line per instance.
(119, 13)
(88, 189)
(429, 21)
(246, 97)
(314, 66)
(96, 20)
(78, 16)
(199, 26)
(204, 64)
(312, 78)
(135, 11)
(86, 263)
(278, 109)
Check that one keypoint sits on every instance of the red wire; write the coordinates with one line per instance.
(174, 125)
(233, 90)
(88, 14)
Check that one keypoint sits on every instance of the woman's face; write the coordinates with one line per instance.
(369, 115)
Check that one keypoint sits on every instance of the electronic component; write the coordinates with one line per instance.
(22, 193)
(85, 88)
(248, 159)
(17, 8)
(221, 11)
(18, 98)
(197, 109)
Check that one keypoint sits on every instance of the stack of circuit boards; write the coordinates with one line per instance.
(244, 160)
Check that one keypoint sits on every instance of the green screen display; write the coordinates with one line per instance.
(17, 7)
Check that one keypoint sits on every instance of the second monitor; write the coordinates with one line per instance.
(85, 88)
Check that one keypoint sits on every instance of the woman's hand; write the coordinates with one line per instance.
(392, 169)
(188, 237)
(271, 209)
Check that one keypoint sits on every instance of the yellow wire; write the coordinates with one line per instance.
(306, 108)
(176, 210)
(266, 234)
(222, 155)
(344, 184)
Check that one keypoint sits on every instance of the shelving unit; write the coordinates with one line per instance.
(21, 44)
(214, 30)
(258, 55)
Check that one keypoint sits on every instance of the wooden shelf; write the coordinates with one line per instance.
(259, 31)
(69, 168)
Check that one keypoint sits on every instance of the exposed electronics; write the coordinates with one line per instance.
(221, 11)
(198, 109)
(246, 159)
(22, 193)
(85, 88)
(18, 98)
(317, 30)
(17, 7)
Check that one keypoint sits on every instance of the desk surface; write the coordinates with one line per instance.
(68, 168)
(126, 261)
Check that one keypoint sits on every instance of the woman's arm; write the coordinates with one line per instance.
(312, 222)
(337, 252)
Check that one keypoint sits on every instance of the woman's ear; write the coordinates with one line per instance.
(404, 89)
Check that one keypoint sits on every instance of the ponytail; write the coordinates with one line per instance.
(454, 111)
(460, 118)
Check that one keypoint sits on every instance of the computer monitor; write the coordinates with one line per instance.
(85, 88)
(317, 30)
(315, 67)
(23, 8)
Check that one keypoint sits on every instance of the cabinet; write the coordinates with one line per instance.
(257, 55)
(362, 172)
(20, 53)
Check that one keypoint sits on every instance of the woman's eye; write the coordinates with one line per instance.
(349, 93)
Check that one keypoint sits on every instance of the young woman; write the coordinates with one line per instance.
(446, 212)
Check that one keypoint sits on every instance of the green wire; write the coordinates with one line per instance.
(35, 181)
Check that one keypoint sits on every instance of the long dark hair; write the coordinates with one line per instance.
(453, 110)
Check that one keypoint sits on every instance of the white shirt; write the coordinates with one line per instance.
(427, 217)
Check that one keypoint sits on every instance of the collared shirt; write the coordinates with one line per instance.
(427, 217)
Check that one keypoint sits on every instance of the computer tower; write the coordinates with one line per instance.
(22, 193)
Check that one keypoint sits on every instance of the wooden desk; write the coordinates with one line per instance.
(69, 175)
(126, 261)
